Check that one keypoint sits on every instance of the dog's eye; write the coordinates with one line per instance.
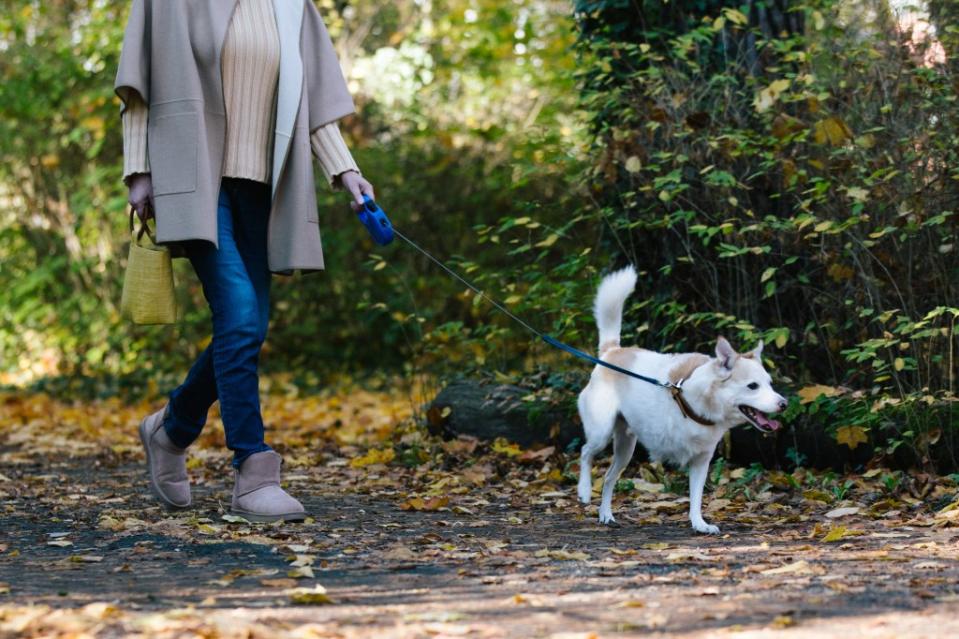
(753, 386)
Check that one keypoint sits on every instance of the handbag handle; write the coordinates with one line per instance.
(143, 224)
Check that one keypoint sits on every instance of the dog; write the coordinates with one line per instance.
(681, 426)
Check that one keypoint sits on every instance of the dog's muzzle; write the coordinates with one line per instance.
(760, 420)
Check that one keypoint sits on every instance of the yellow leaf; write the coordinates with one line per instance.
(633, 165)
(310, 596)
(373, 456)
(562, 555)
(899, 364)
(811, 393)
(783, 621)
(851, 436)
(832, 130)
(736, 16)
(502, 445)
(549, 241)
(418, 503)
(768, 96)
(841, 532)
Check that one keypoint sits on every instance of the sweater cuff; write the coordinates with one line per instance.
(331, 151)
(135, 159)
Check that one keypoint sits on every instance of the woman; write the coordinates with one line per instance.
(224, 104)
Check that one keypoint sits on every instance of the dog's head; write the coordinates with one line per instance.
(741, 389)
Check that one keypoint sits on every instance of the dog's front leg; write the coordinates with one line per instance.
(698, 469)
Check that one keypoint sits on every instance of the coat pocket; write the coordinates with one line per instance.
(173, 147)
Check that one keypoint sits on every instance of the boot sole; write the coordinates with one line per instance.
(153, 487)
(253, 517)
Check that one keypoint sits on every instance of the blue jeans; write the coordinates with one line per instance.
(236, 283)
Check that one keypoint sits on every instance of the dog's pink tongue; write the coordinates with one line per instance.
(763, 420)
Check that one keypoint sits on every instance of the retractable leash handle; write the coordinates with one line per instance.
(375, 221)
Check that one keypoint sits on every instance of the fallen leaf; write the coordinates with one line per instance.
(841, 532)
(234, 519)
(278, 583)
(842, 512)
(794, 568)
(309, 596)
(303, 572)
(418, 503)
(783, 621)
(851, 436)
(562, 555)
(687, 555)
(373, 456)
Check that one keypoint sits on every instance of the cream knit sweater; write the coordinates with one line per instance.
(250, 71)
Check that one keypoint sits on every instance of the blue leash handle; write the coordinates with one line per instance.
(375, 221)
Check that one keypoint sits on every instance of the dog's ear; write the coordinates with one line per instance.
(756, 353)
(726, 355)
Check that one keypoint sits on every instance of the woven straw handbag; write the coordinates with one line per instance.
(148, 296)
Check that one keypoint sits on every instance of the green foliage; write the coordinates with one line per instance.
(787, 174)
(794, 184)
(465, 108)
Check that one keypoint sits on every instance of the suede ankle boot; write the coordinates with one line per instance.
(166, 462)
(257, 495)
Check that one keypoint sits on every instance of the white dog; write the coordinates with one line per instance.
(682, 425)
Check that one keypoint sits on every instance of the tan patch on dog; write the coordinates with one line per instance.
(685, 367)
(608, 345)
(622, 357)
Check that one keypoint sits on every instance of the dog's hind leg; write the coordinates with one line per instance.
(624, 443)
(598, 415)
(698, 469)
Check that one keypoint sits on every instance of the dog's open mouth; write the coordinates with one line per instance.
(759, 419)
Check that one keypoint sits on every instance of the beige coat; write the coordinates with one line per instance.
(171, 56)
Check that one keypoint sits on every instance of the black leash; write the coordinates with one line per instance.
(552, 341)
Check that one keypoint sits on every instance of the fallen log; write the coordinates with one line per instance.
(488, 411)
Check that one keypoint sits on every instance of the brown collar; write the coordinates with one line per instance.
(684, 407)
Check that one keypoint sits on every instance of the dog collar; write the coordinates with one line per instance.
(677, 392)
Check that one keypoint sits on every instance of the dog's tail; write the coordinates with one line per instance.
(612, 293)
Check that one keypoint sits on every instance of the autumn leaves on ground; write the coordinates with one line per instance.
(412, 536)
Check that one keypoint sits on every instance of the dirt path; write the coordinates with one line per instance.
(430, 539)
(74, 534)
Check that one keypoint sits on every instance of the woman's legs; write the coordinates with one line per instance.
(236, 283)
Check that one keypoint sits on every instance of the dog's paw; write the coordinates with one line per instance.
(585, 493)
(706, 529)
(606, 517)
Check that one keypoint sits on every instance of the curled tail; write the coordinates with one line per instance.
(608, 309)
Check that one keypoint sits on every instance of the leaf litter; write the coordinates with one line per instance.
(401, 522)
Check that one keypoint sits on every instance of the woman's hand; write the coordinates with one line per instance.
(141, 195)
(357, 185)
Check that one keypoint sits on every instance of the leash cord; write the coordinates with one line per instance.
(552, 341)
